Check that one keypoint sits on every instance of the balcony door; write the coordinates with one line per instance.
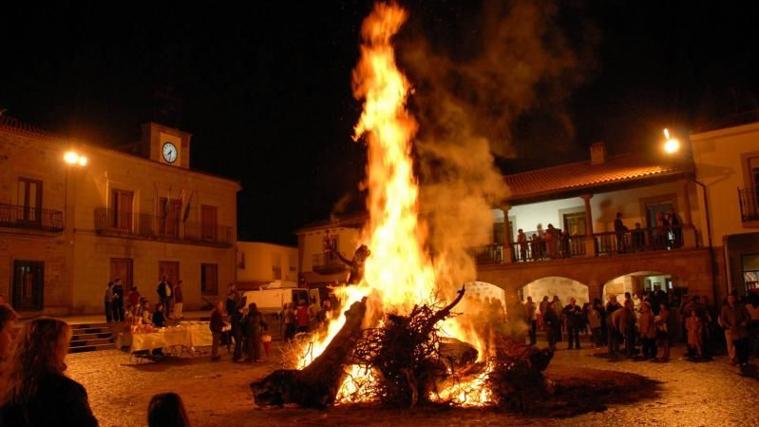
(28, 284)
(208, 218)
(574, 223)
(653, 209)
(168, 216)
(121, 208)
(30, 200)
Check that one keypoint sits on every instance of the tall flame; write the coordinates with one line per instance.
(399, 273)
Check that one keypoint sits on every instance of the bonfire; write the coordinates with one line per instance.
(399, 342)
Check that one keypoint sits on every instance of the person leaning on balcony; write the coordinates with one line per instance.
(522, 241)
(620, 229)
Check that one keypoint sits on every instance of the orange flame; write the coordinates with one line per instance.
(399, 273)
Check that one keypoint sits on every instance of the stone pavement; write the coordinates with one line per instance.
(217, 394)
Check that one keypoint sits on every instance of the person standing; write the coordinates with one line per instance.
(217, 327)
(254, 328)
(118, 300)
(163, 291)
(530, 317)
(553, 325)
(573, 316)
(159, 316)
(236, 318)
(620, 230)
(35, 390)
(612, 329)
(108, 300)
(662, 330)
(647, 326)
(736, 318)
(301, 316)
(167, 410)
(522, 241)
(594, 321)
(627, 327)
(178, 301)
(8, 319)
(694, 326)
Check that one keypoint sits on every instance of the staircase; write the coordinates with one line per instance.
(91, 337)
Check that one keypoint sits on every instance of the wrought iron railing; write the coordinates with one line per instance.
(535, 248)
(110, 222)
(641, 240)
(31, 218)
(748, 198)
(489, 254)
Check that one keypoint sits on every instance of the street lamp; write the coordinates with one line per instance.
(671, 144)
(71, 157)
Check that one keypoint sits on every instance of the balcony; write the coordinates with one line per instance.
(747, 197)
(30, 218)
(327, 263)
(537, 249)
(145, 226)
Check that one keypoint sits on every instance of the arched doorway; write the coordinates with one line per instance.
(638, 283)
(563, 287)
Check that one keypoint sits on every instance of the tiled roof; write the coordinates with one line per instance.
(577, 176)
(13, 124)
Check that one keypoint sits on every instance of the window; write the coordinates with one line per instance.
(208, 216)
(28, 284)
(30, 199)
(276, 266)
(121, 208)
(209, 279)
(655, 209)
(750, 267)
(574, 223)
(169, 212)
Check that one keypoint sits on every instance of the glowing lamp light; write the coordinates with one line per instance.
(671, 145)
(74, 158)
(71, 157)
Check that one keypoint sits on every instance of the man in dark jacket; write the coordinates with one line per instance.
(573, 317)
(163, 291)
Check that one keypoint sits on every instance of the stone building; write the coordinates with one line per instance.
(260, 263)
(74, 216)
(318, 265)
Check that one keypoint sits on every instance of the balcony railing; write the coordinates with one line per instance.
(31, 218)
(535, 248)
(747, 198)
(145, 226)
(327, 263)
(642, 240)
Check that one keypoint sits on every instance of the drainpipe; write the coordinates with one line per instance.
(712, 259)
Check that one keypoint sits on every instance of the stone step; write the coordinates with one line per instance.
(92, 347)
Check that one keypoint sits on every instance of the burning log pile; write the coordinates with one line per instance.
(410, 364)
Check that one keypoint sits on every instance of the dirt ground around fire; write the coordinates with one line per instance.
(682, 393)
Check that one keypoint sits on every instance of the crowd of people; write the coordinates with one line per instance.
(644, 325)
(128, 305)
(241, 327)
(553, 242)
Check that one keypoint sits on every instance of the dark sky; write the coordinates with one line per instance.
(265, 87)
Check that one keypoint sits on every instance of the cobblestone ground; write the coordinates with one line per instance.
(217, 394)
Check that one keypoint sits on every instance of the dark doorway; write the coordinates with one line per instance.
(170, 269)
(122, 268)
(28, 282)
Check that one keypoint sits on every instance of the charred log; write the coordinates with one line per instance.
(405, 352)
(316, 385)
(517, 379)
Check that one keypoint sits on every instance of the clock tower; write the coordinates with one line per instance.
(166, 145)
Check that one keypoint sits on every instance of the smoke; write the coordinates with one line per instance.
(476, 88)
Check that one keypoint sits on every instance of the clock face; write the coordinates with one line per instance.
(169, 152)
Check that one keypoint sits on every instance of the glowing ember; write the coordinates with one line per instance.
(469, 393)
(399, 273)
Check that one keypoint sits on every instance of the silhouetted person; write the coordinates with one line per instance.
(167, 410)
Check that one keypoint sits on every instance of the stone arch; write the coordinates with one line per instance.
(637, 282)
(563, 287)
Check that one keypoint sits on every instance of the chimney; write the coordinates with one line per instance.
(597, 153)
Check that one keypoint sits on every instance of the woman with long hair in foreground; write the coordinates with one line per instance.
(34, 390)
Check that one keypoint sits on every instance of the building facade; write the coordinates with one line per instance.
(317, 246)
(260, 263)
(74, 216)
(727, 166)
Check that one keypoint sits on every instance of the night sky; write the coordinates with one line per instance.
(265, 87)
